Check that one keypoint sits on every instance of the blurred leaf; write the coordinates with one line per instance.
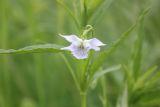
(60, 2)
(151, 97)
(150, 103)
(103, 95)
(143, 78)
(99, 74)
(139, 45)
(128, 76)
(153, 81)
(123, 99)
(103, 56)
(98, 12)
(33, 49)
(94, 5)
(28, 103)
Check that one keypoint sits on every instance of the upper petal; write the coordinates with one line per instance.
(71, 38)
(95, 42)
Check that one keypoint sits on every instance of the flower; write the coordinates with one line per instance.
(80, 47)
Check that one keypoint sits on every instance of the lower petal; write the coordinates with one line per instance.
(80, 54)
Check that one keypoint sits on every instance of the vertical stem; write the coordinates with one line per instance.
(83, 99)
(3, 42)
(104, 91)
(71, 71)
(84, 21)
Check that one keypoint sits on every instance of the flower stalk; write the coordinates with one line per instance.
(86, 31)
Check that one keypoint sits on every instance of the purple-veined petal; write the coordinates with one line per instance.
(77, 51)
(80, 53)
(71, 38)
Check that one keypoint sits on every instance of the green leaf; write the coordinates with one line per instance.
(99, 74)
(103, 56)
(143, 79)
(154, 80)
(123, 98)
(128, 76)
(139, 45)
(33, 49)
(61, 3)
(96, 15)
(149, 98)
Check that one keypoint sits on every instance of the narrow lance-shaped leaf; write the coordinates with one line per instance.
(154, 80)
(105, 54)
(128, 76)
(93, 6)
(139, 45)
(33, 49)
(123, 98)
(103, 96)
(60, 2)
(143, 79)
(97, 15)
(103, 72)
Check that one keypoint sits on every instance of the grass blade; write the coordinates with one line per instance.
(139, 45)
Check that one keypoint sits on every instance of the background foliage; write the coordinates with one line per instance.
(43, 80)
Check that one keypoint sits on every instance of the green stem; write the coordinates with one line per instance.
(104, 92)
(4, 39)
(83, 99)
(71, 71)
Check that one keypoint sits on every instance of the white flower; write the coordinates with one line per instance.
(80, 47)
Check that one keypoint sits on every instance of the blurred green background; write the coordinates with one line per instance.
(43, 80)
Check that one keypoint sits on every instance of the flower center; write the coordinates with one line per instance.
(81, 45)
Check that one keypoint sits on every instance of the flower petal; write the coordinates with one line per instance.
(95, 42)
(77, 51)
(80, 53)
(71, 38)
(72, 47)
(96, 48)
